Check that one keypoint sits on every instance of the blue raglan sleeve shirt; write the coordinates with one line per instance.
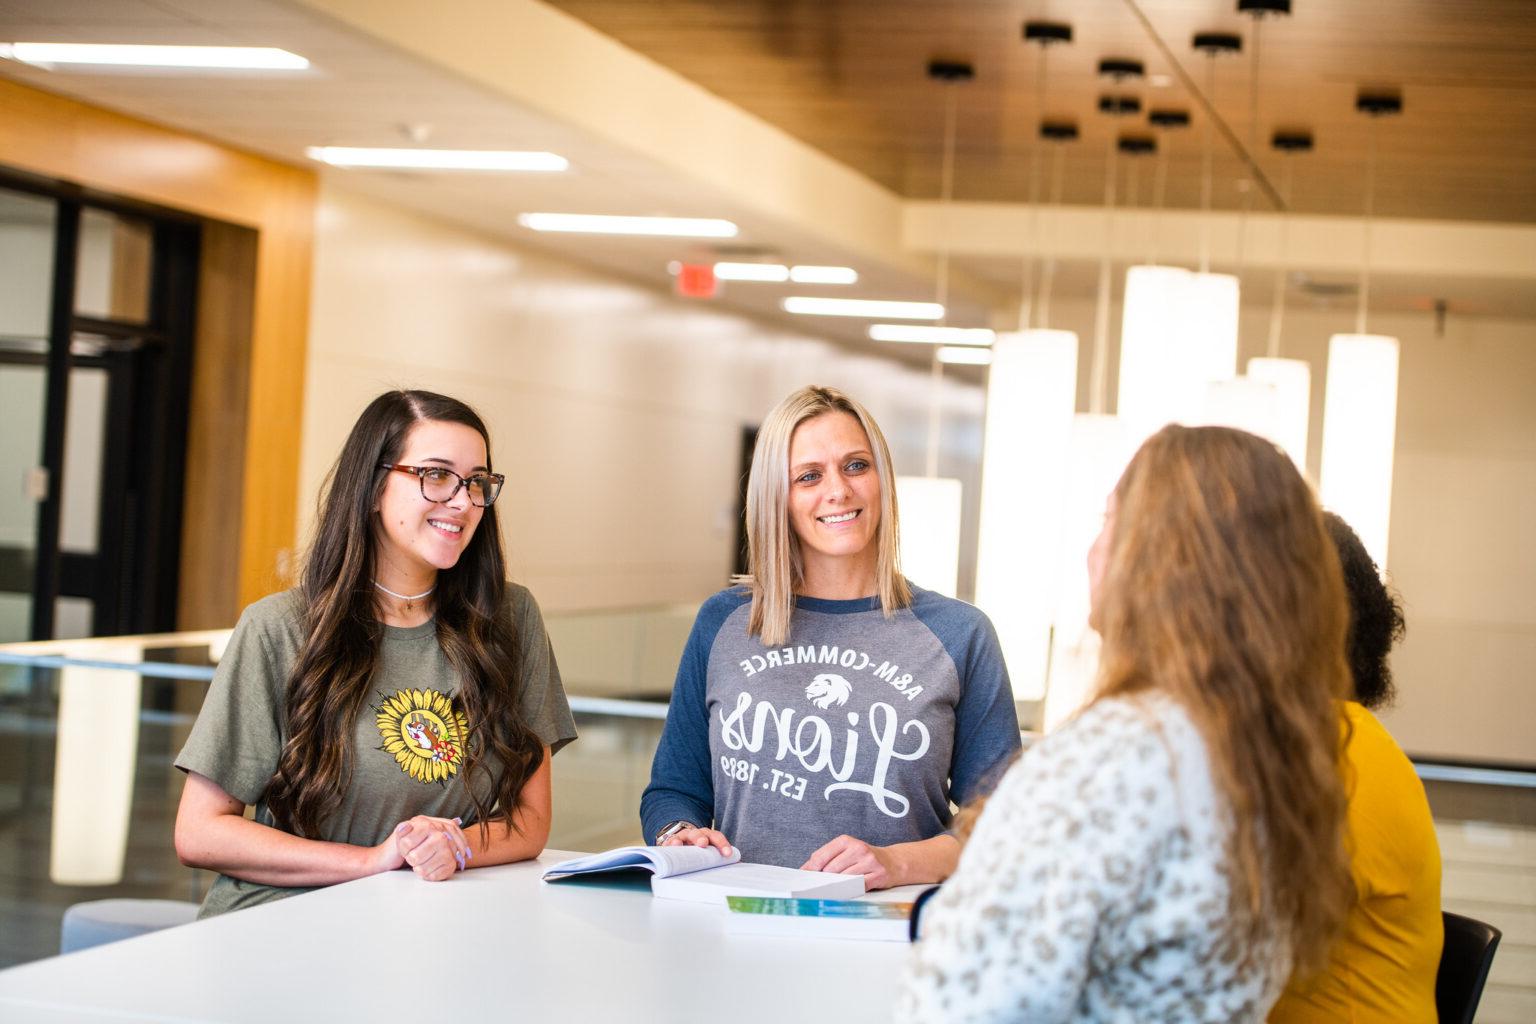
(682, 783)
(986, 722)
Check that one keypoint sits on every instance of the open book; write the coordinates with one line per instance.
(704, 876)
(818, 919)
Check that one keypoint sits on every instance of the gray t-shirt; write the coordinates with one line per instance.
(407, 744)
(859, 724)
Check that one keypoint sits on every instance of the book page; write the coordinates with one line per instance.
(662, 861)
(683, 860)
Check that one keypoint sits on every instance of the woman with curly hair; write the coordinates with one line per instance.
(1174, 849)
(1383, 967)
(404, 689)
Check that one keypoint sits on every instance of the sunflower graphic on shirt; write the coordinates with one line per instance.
(424, 733)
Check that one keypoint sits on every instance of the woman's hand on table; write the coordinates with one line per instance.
(435, 848)
(700, 837)
(846, 855)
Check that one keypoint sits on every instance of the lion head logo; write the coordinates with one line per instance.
(827, 689)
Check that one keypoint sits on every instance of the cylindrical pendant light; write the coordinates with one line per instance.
(1031, 394)
(930, 504)
(1360, 398)
(1097, 456)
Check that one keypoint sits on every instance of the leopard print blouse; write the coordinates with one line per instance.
(1094, 888)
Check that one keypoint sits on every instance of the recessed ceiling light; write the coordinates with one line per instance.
(438, 159)
(751, 271)
(258, 58)
(863, 307)
(964, 356)
(595, 224)
(1159, 81)
(932, 335)
(823, 275)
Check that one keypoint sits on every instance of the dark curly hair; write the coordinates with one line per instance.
(1375, 617)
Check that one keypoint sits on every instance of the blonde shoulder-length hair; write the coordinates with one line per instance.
(775, 566)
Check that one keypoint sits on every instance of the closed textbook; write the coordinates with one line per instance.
(704, 876)
(818, 919)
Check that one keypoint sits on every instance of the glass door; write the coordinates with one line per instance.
(27, 233)
(96, 321)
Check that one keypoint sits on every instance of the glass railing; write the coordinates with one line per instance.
(88, 790)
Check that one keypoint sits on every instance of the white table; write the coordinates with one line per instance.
(493, 943)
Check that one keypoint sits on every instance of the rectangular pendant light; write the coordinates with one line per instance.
(232, 58)
(930, 531)
(597, 224)
(437, 159)
(1097, 456)
(1150, 368)
(1031, 396)
(1209, 325)
(932, 335)
(1179, 333)
(1292, 381)
(1359, 435)
(1244, 403)
(872, 308)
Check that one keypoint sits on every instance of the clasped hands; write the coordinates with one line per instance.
(434, 848)
(844, 855)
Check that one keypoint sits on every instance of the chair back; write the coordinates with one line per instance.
(1464, 963)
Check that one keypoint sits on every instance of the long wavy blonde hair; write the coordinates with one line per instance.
(775, 569)
(1223, 590)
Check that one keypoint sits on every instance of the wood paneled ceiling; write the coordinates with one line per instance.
(848, 77)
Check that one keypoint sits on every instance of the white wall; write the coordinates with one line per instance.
(1462, 550)
(614, 410)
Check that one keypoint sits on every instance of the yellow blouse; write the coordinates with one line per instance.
(1383, 966)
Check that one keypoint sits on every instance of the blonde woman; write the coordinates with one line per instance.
(827, 711)
(1173, 850)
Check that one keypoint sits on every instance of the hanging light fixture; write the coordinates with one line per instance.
(1291, 378)
(1097, 455)
(1179, 328)
(1360, 398)
(1031, 396)
(1273, 398)
(1210, 317)
(931, 504)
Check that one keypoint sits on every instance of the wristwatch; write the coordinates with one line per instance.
(671, 829)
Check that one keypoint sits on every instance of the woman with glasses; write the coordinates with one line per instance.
(399, 708)
(1172, 851)
(827, 711)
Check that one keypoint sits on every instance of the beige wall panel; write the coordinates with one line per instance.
(1464, 690)
(209, 594)
(615, 411)
(71, 141)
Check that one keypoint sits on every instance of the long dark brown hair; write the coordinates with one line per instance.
(1222, 589)
(333, 676)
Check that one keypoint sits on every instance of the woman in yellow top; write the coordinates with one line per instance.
(1382, 968)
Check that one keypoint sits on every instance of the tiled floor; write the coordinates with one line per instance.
(1487, 834)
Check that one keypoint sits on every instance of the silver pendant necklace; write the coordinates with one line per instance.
(409, 599)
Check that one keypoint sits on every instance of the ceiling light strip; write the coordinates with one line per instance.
(823, 275)
(872, 308)
(438, 159)
(771, 272)
(596, 224)
(964, 356)
(254, 58)
(932, 335)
